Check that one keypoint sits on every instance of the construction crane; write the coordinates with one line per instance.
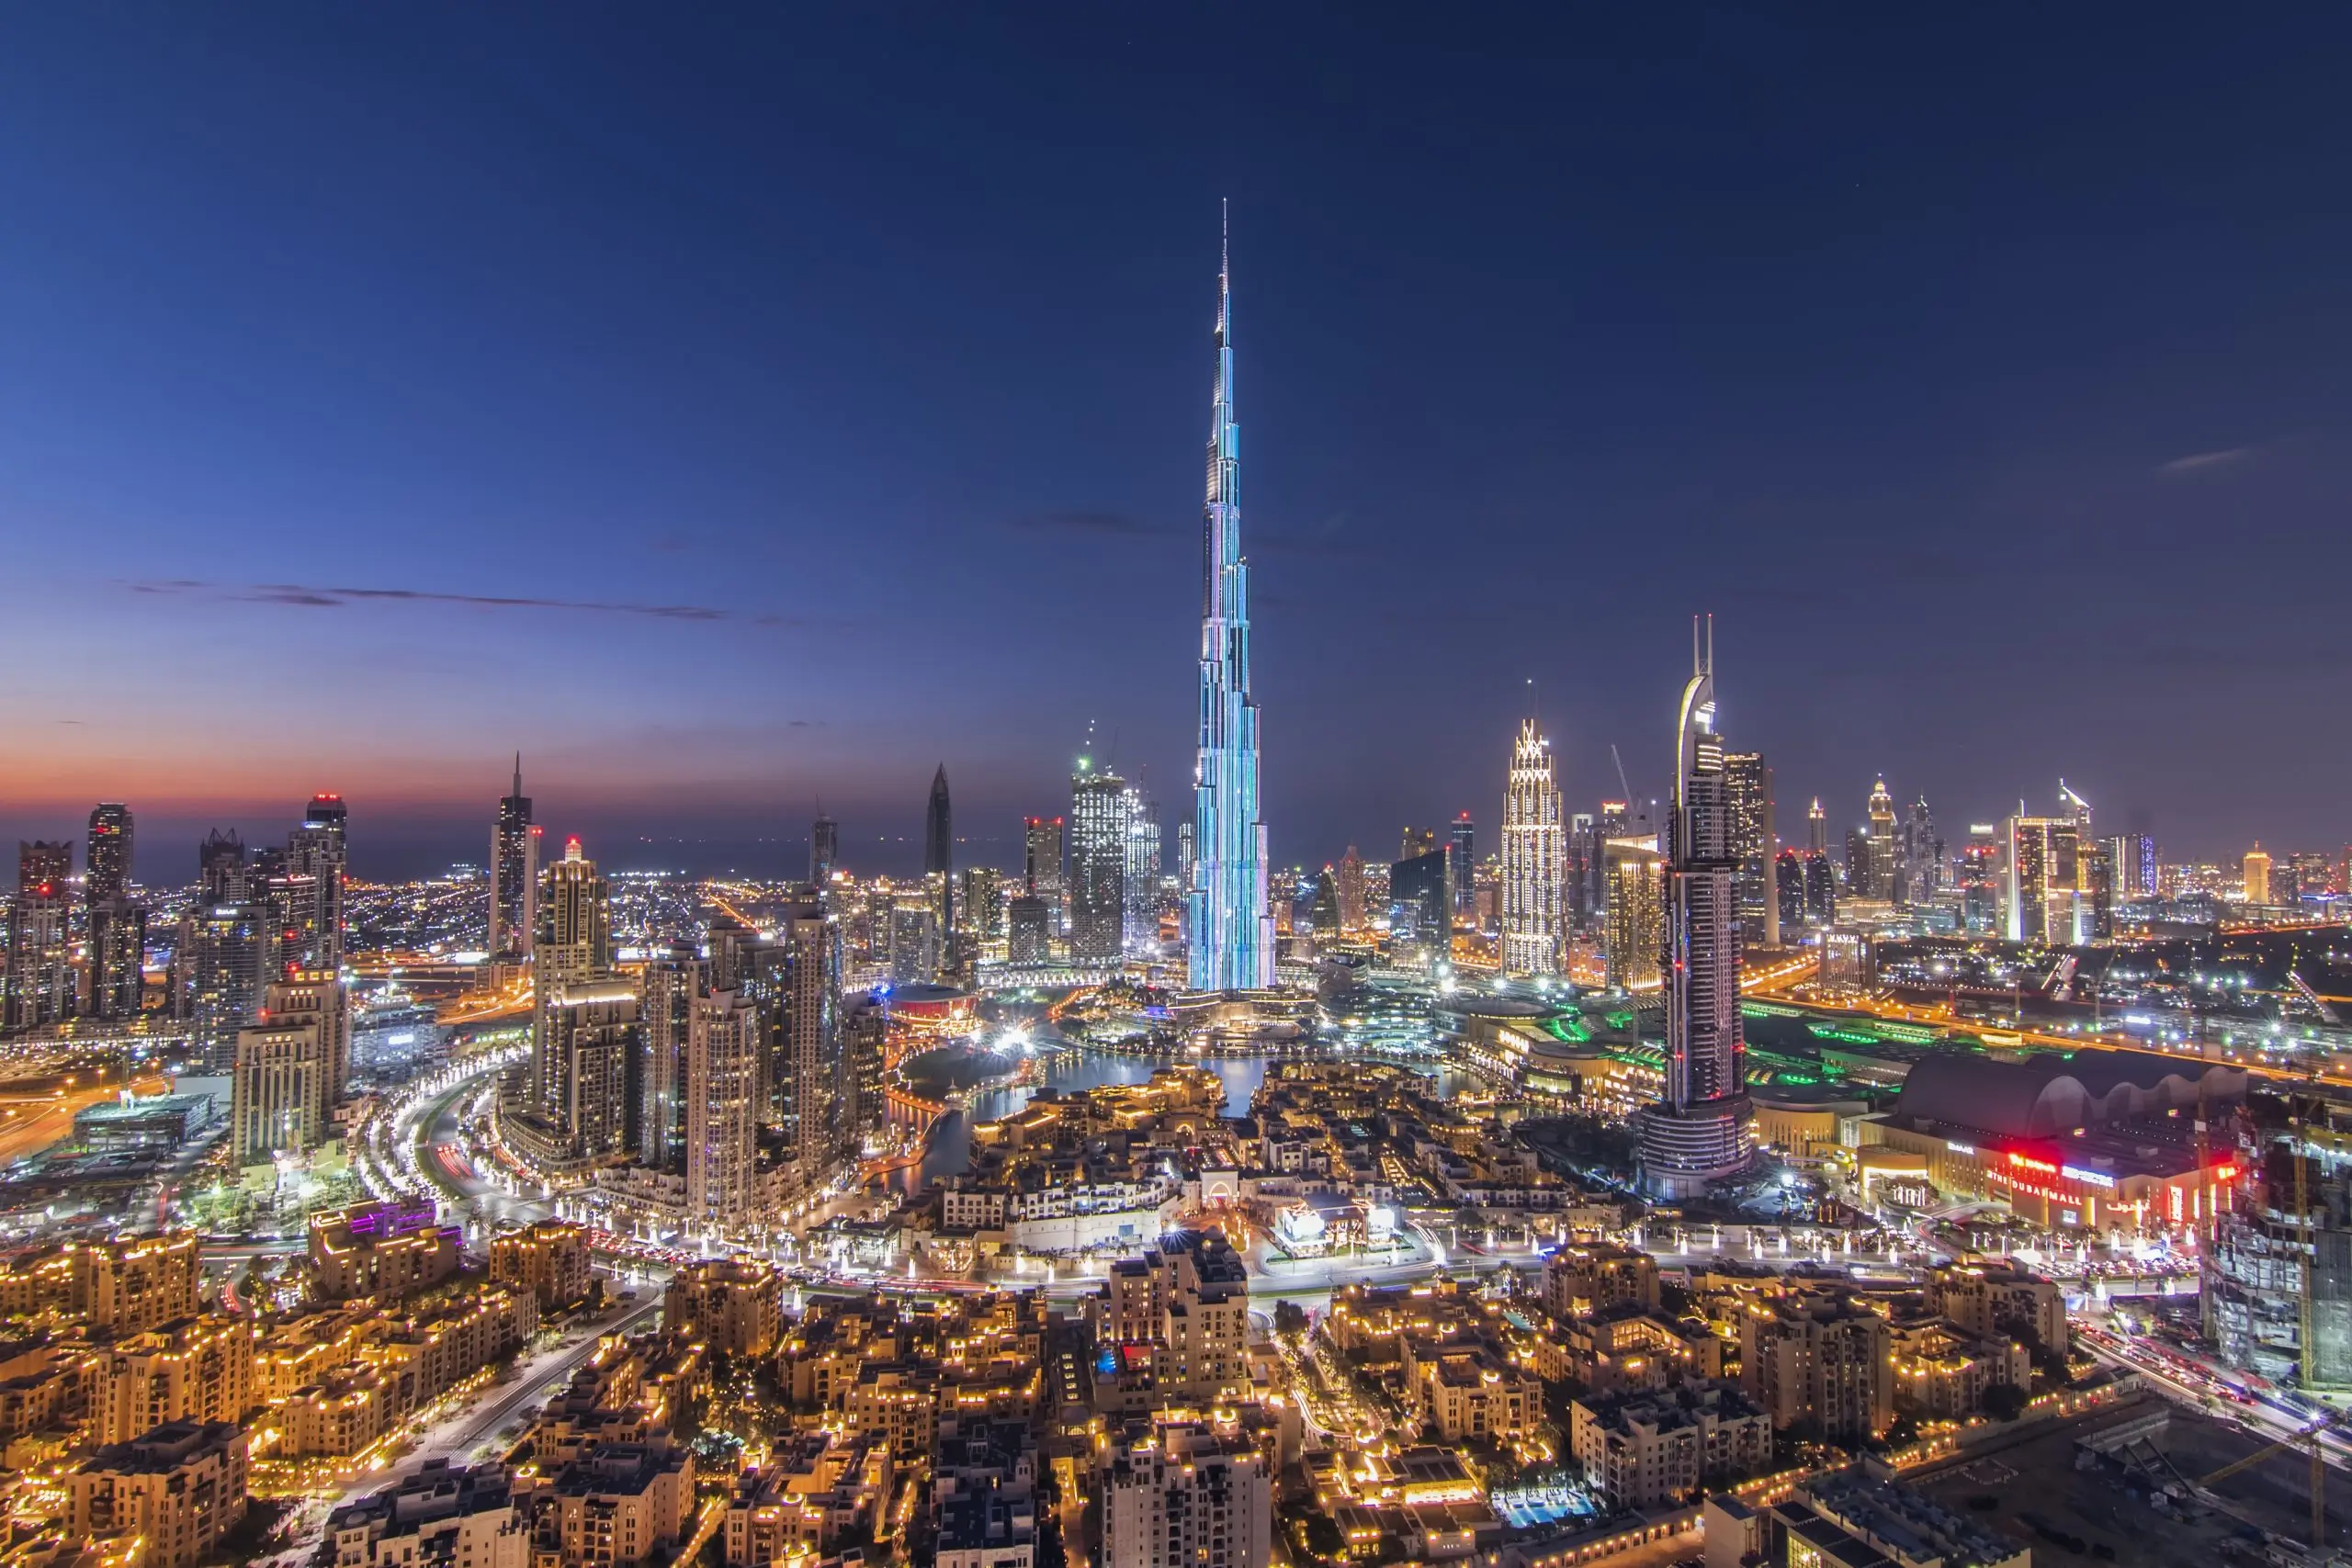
(2310, 1434)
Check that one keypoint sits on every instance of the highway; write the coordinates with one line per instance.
(2190, 1383)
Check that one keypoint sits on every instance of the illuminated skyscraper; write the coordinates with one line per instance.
(1921, 863)
(108, 874)
(1098, 860)
(1349, 881)
(1139, 894)
(2257, 875)
(722, 1110)
(40, 975)
(1700, 1132)
(513, 876)
(1462, 844)
(2041, 893)
(1229, 929)
(1535, 858)
(584, 1029)
(116, 926)
(2134, 858)
(673, 978)
(1041, 868)
(1754, 843)
(824, 850)
(939, 850)
(1635, 908)
(320, 849)
(1817, 831)
(1881, 850)
(814, 1090)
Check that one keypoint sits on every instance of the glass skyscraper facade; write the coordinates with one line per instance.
(1229, 929)
(1700, 1132)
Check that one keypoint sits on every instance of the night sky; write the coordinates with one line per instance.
(728, 411)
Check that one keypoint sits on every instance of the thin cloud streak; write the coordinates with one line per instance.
(307, 596)
(2196, 462)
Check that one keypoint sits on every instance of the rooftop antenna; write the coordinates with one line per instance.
(1711, 642)
(1696, 668)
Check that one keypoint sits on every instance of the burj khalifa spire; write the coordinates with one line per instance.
(1228, 925)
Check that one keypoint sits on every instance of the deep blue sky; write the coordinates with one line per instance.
(1986, 373)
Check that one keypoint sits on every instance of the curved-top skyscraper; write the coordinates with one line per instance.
(1228, 926)
(1699, 1133)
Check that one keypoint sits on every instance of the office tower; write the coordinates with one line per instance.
(575, 920)
(1635, 912)
(117, 934)
(220, 965)
(1748, 783)
(939, 850)
(115, 925)
(571, 1076)
(1788, 890)
(1700, 1132)
(2134, 858)
(1582, 858)
(318, 848)
(1920, 857)
(220, 868)
(2074, 808)
(513, 876)
(41, 988)
(1350, 881)
(2095, 877)
(1140, 892)
(293, 911)
(1820, 891)
(2257, 875)
(1230, 928)
(108, 872)
(911, 945)
(1415, 842)
(673, 978)
(723, 1046)
(1323, 909)
(2299, 876)
(1177, 1487)
(1857, 863)
(824, 850)
(1185, 861)
(2042, 889)
(1098, 861)
(983, 902)
(812, 1092)
(1980, 879)
(1881, 849)
(591, 1050)
(1535, 858)
(1817, 830)
(865, 1040)
(1029, 935)
(287, 1074)
(1421, 901)
(45, 866)
(1462, 843)
(1041, 865)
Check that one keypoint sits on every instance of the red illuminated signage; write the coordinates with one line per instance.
(2045, 1167)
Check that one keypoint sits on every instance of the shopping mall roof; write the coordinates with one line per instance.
(2048, 1094)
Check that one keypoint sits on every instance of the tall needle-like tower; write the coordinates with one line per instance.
(1229, 929)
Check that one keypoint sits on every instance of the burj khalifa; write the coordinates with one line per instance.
(1230, 928)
